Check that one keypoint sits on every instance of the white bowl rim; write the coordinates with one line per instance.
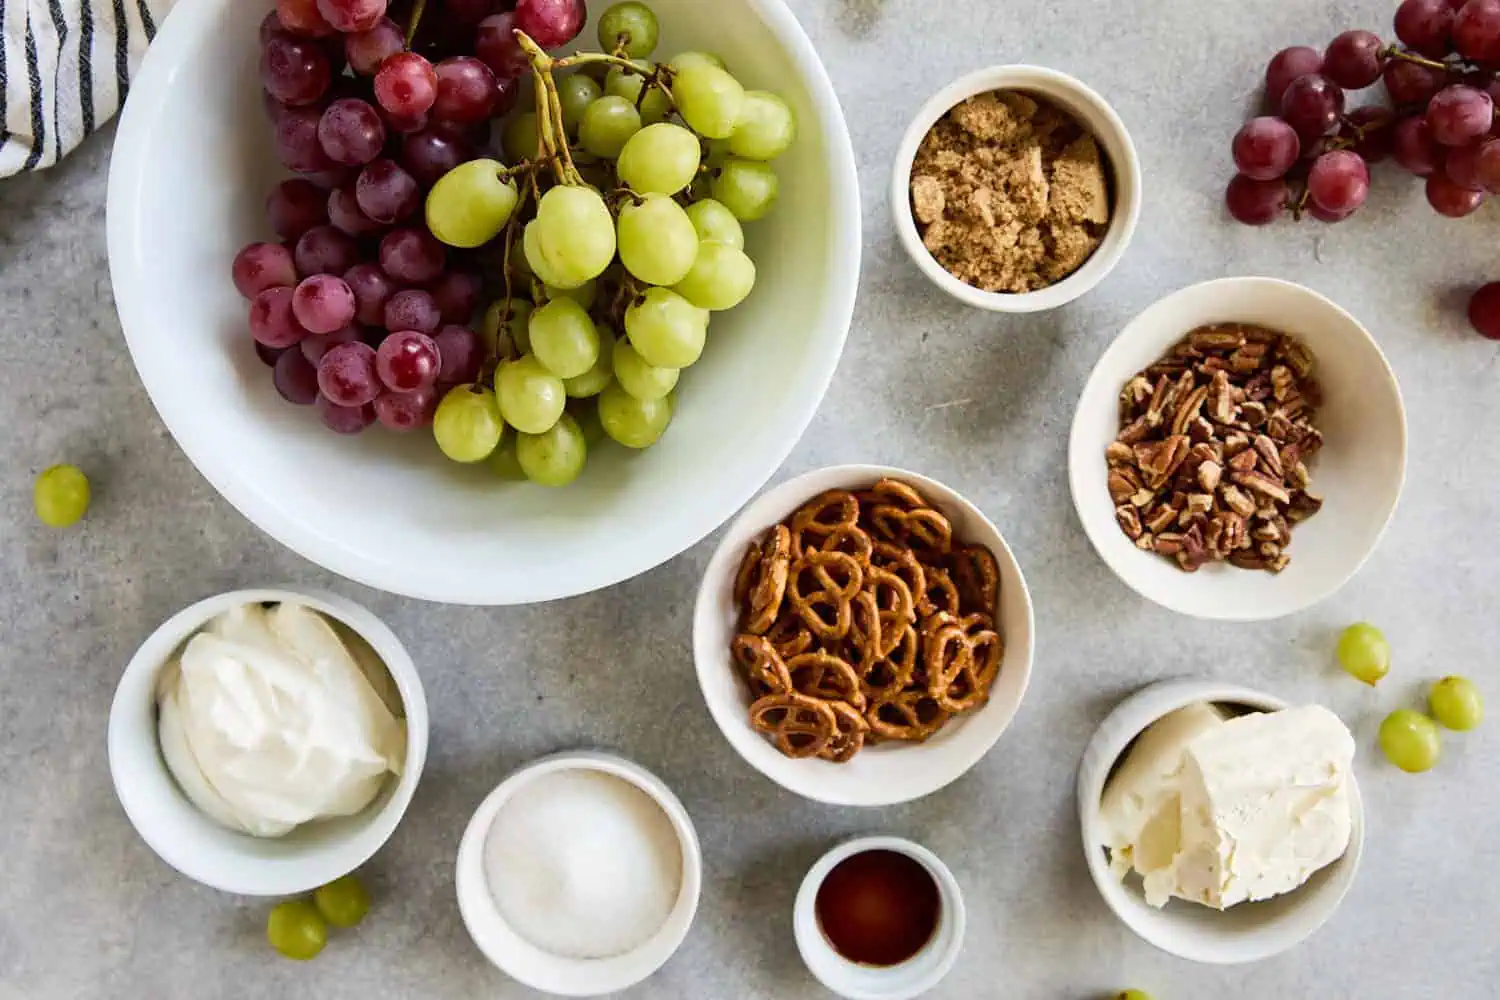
(719, 496)
(1127, 185)
(704, 608)
(1125, 722)
(566, 976)
(259, 877)
(953, 918)
(1077, 447)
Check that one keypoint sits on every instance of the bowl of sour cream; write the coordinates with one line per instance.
(266, 742)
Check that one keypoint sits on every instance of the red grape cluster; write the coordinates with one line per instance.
(359, 310)
(1311, 156)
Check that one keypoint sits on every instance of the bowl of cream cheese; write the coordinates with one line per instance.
(1219, 823)
(266, 742)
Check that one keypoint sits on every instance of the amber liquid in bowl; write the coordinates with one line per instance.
(878, 908)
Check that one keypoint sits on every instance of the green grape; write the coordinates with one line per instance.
(575, 92)
(1457, 703)
(666, 328)
(61, 496)
(1364, 653)
(644, 382)
(575, 236)
(586, 413)
(720, 279)
(1410, 740)
(628, 84)
(633, 422)
(746, 187)
(503, 461)
(554, 457)
(531, 397)
(657, 241)
(765, 129)
(467, 424)
(520, 140)
(716, 224)
(296, 929)
(593, 381)
(470, 204)
(607, 124)
(631, 26)
(510, 317)
(659, 158)
(584, 294)
(564, 339)
(343, 902)
(709, 99)
(683, 60)
(537, 262)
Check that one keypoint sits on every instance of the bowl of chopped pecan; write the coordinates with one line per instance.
(1239, 450)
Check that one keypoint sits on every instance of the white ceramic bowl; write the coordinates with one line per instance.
(522, 960)
(890, 772)
(1359, 471)
(1245, 933)
(183, 837)
(1109, 132)
(911, 978)
(191, 167)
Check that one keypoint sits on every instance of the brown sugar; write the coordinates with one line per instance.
(1009, 193)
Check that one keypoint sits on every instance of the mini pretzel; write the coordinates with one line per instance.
(952, 679)
(850, 540)
(825, 677)
(849, 733)
(765, 671)
(895, 603)
(898, 560)
(924, 529)
(789, 635)
(911, 716)
(744, 577)
(815, 520)
(864, 639)
(899, 494)
(940, 595)
(977, 574)
(798, 725)
(838, 579)
(893, 673)
(768, 578)
(988, 650)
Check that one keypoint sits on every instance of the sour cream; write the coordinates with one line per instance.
(267, 721)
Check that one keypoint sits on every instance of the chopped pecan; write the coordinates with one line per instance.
(1119, 453)
(1297, 355)
(1231, 533)
(1200, 503)
(1213, 535)
(1130, 520)
(1134, 432)
(1188, 410)
(1216, 338)
(1303, 506)
(1247, 559)
(1253, 414)
(1237, 501)
(1123, 484)
(1142, 497)
(1161, 518)
(1160, 460)
(1270, 456)
(1262, 484)
(1201, 431)
(1135, 393)
(1258, 388)
(1209, 474)
(1248, 358)
(1220, 401)
(1158, 401)
(1235, 443)
(1209, 366)
(1168, 543)
(1299, 477)
(1283, 382)
(1145, 541)
(1243, 461)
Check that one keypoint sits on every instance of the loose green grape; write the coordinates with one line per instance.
(564, 339)
(1364, 653)
(531, 397)
(61, 496)
(660, 158)
(630, 26)
(622, 82)
(1457, 703)
(635, 423)
(644, 382)
(554, 457)
(343, 902)
(709, 99)
(584, 294)
(297, 930)
(467, 424)
(746, 187)
(470, 204)
(657, 241)
(607, 125)
(520, 140)
(576, 92)
(720, 279)
(683, 60)
(1410, 740)
(666, 328)
(503, 461)
(766, 127)
(509, 317)
(716, 224)
(575, 236)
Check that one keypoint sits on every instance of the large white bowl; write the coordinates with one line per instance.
(1359, 471)
(192, 165)
(890, 772)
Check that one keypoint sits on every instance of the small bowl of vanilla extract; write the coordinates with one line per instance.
(879, 918)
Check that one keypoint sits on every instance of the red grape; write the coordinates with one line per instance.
(1487, 166)
(296, 140)
(295, 378)
(1424, 25)
(1370, 129)
(313, 348)
(1484, 310)
(1353, 59)
(330, 177)
(457, 295)
(351, 132)
(1462, 167)
(371, 288)
(301, 17)
(295, 206)
(270, 27)
(268, 355)
(1413, 148)
(1265, 148)
(412, 309)
(1312, 105)
(496, 46)
(352, 15)
(273, 108)
(1338, 182)
(468, 12)
(1409, 83)
(325, 250)
(344, 212)
(412, 255)
(345, 419)
(386, 193)
(295, 71)
(1458, 115)
(1286, 66)
(323, 303)
(466, 90)
(429, 154)
(347, 375)
(1255, 203)
(1476, 31)
(1313, 209)
(272, 321)
(404, 411)
(1450, 199)
(550, 23)
(407, 360)
(368, 49)
(406, 84)
(462, 354)
(260, 266)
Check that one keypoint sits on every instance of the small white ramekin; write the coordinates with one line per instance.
(911, 978)
(1245, 933)
(524, 961)
(1095, 114)
(311, 855)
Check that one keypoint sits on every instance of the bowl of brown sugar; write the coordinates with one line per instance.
(1016, 189)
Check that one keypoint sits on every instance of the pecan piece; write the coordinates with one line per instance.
(1167, 544)
(1237, 501)
(1158, 402)
(1134, 432)
(1209, 474)
(1253, 414)
(1123, 484)
(1188, 410)
(1220, 400)
(1160, 460)
(1243, 461)
(1262, 484)
(1216, 338)
(1160, 518)
(1303, 506)
(1270, 457)
(1130, 520)
(1283, 383)
(1119, 453)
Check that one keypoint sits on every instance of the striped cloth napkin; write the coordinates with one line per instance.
(65, 66)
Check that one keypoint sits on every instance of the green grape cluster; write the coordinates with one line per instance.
(620, 228)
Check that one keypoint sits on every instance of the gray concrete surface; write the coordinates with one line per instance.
(980, 401)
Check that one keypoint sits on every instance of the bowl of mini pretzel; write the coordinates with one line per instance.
(863, 635)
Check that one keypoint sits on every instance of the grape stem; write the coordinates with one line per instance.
(417, 10)
(550, 128)
(1396, 52)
